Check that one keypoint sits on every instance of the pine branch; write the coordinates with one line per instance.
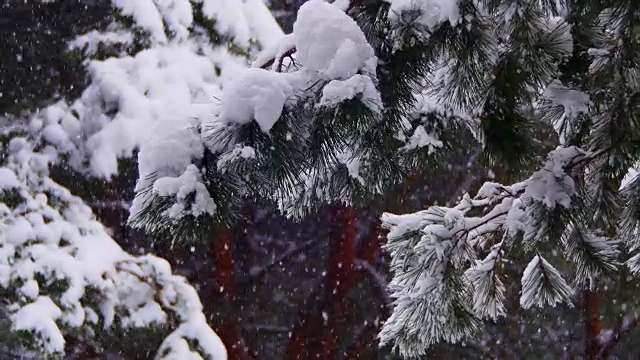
(623, 329)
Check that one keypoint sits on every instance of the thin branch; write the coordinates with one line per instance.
(267, 329)
(257, 274)
(624, 328)
(378, 282)
(279, 59)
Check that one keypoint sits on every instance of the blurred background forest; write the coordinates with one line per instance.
(274, 304)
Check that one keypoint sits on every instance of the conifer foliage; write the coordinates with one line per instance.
(570, 65)
(360, 95)
(152, 67)
(325, 117)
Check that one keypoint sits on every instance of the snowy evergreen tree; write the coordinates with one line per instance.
(61, 273)
(325, 117)
(359, 97)
(152, 68)
(573, 66)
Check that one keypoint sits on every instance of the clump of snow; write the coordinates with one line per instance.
(238, 152)
(40, 316)
(337, 91)
(329, 42)
(551, 184)
(145, 14)
(52, 235)
(353, 164)
(257, 95)
(572, 102)
(91, 41)
(275, 52)
(243, 20)
(192, 196)
(421, 138)
(432, 13)
(8, 179)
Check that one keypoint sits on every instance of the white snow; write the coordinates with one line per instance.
(331, 43)
(574, 102)
(551, 184)
(189, 183)
(8, 179)
(432, 13)
(53, 235)
(275, 52)
(243, 20)
(145, 14)
(91, 40)
(256, 95)
(542, 285)
(337, 91)
(39, 317)
(421, 139)
(238, 152)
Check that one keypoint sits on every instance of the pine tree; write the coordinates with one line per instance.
(149, 65)
(62, 275)
(327, 116)
(573, 66)
(324, 118)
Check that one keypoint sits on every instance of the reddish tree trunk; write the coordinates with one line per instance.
(340, 276)
(309, 338)
(363, 341)
(593, 326)
(224, 292)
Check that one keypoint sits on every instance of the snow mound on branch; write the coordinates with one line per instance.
(145, 14)
(551, 185)
(189, 183)
(337, 91)
(257, 95)
(328, 41)
(241, 20)
(162, 87)
(432, 13)
(60, 270)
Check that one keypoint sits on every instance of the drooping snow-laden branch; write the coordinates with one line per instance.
(434, 287)
(274, 60)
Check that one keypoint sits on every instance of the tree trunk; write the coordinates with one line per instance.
(225, 321)
(593, 326)
(309, 338)
(340, 276)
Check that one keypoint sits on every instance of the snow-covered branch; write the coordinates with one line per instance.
(62, 271)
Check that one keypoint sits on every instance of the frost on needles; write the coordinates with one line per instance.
(517, 68)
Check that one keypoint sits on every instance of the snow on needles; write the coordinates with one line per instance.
(154, 101)
(330, 46)
(337, 91)
(240, 19)
(257, 95)
(432, 13)
(60, 269)
(330, 42)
